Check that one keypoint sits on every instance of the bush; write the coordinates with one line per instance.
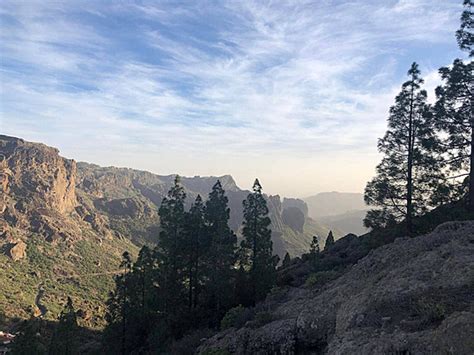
(190, 342)
(236, 317)
(431, 311)
(277, 294)
(262, 318)
(321, 278)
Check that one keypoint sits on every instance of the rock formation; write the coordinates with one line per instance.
(17, 251)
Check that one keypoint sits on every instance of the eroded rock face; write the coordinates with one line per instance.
(37, 171)
(414, 296)
(38, 189)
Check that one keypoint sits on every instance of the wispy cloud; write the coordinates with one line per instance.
(248, 88)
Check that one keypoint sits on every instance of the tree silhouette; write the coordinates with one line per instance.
(257, 243)
(465, 34)
(329, 241)
(410, 170)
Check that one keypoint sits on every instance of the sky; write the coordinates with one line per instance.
(295, 93)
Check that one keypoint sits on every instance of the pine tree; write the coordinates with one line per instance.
(314, 247)
(172, 260)
(221, 255)
(465, 34)
(143, 302)
(454, 111)
(258, 244)
(195, 249)
(286, 260)
(63, 340)
(119, 309)
(455, 117)
(329, 241)
(410, 170)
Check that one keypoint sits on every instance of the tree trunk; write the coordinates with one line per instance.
(409, 215)
(471, 171)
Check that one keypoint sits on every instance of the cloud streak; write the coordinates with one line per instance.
(289, 91)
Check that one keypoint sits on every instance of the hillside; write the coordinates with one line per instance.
(51, 245)
(64, 226)
(412, 296)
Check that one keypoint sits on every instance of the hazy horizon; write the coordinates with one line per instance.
(294, 94)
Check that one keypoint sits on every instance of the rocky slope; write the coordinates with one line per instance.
(49, 241)
(413, 296)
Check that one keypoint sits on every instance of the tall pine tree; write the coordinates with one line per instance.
(119, 308)
(410, 170)
(221, 256)
(195, 249)
(454, 109)
(257, 244)
(329, 240)
(172, 260)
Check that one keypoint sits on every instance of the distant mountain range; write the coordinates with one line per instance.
(341, 211)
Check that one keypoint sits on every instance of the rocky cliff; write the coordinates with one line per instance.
(413, 296)
(49, 239)
(38, 190)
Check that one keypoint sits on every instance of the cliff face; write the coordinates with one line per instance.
(414, 296)
(38, 190)
(38, 173)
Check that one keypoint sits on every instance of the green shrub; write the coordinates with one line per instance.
(262, 318)
(321, 278)
(430, 310)
(236, 317)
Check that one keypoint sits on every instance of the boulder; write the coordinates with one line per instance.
(17, 251)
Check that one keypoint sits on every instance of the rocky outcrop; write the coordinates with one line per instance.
(295, 202)
(413, 296)
(17, 251)
(38, 172)
(38, 189)
(131, 207)
(294, 218)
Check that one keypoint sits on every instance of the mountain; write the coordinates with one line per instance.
(64, 226)
(348, 222)
(412, 296)
(340, 211)
(334, 203)
(130, 199)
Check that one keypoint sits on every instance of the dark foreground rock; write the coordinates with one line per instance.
(414, 296)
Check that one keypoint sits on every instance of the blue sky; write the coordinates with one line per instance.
(294, 92)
